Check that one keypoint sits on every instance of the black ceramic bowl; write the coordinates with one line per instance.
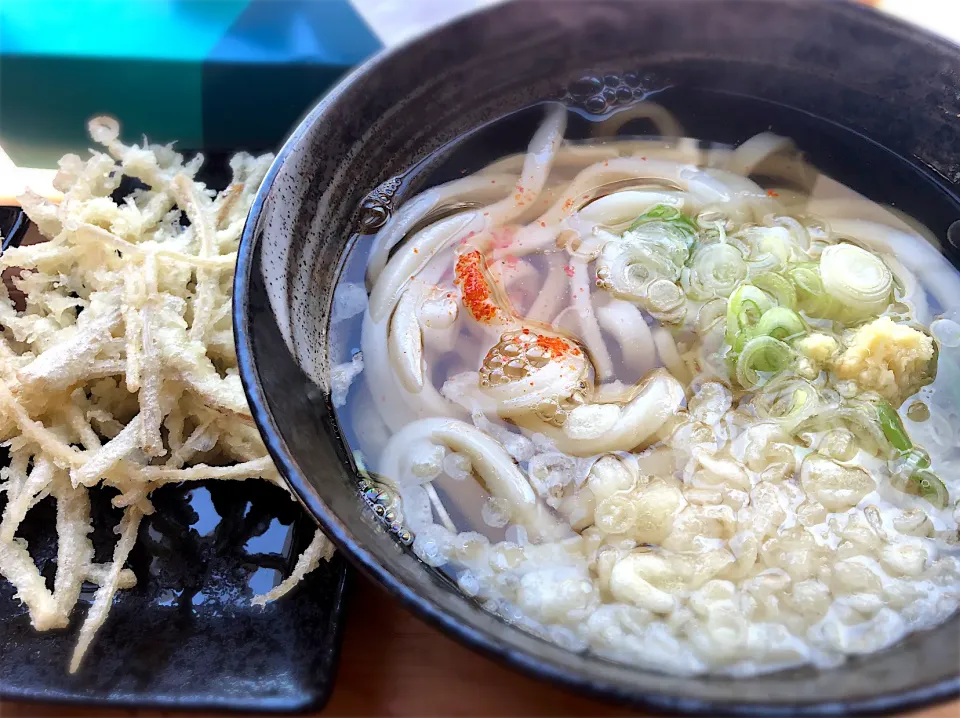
(875, 83)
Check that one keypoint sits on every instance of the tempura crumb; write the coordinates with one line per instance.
(342, 377)
(117, 363)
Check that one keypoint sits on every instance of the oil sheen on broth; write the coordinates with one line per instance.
(681, 405)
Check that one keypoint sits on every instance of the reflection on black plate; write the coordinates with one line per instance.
(13, 225)
(186, 636)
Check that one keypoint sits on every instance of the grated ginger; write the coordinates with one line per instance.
(819, 347)
(888, 358)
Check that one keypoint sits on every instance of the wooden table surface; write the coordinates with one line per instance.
(395, 665)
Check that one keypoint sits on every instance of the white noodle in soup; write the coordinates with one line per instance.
(657, 411)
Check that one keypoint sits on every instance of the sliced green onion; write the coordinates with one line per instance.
(762, 354)
(916, 458)
(799, 399)
(709, 313)
(730, 362)
(715, 271)
(811, 296)
(778, 287)
(859, 417)
(787, 403)
(665, 213)
(858, 279)
(765, 248)
(893, 427)
(744, 310)
(806, 277)
(927, 485)
(780, 323)
(657, 245)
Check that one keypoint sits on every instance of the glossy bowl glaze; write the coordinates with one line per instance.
(861, 72)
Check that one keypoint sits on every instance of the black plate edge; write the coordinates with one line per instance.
(338, 616)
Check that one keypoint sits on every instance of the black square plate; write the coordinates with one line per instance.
(186, 636)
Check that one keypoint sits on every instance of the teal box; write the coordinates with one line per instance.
(211, 74)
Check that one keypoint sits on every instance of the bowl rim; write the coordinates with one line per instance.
(533, 666)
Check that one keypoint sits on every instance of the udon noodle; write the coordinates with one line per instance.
(639, 404)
